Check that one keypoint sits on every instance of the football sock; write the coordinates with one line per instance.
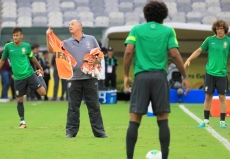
(23, 122)
(206, 114)
(131, 138)
(206, 121)
(222, 116)
(164, 136)
(42, 81)
(20, 107)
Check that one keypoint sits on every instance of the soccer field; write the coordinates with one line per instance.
(44, 137)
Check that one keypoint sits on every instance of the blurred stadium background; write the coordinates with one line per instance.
(106, 13)
(110, 21)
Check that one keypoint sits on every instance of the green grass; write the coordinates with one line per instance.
(214, 121)
(45, 136)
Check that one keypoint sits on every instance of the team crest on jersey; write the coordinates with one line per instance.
(153, 25)
(225, 44)
(88, 44)
(23, 50)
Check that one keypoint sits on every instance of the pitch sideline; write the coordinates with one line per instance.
(224, 141)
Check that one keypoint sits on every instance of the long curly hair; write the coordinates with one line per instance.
(220, 23)
(155, 11)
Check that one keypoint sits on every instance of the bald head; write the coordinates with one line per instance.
(75, 27)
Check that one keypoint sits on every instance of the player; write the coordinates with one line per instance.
(218, 48)
(152, 43)
(19, 54)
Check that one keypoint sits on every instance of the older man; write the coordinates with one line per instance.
(78, 45)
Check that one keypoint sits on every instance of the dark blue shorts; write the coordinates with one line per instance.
(214, 82)
(21, 86)
(150, 86)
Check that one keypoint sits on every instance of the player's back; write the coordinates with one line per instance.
(153, 40)
(153, 37)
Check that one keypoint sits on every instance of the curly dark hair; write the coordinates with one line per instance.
(220, 23)
(155, 11)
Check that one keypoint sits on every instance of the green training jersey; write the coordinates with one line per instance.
(19, 59)
(218, 53)
(152, 42)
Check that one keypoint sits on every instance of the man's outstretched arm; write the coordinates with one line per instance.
(49, 47)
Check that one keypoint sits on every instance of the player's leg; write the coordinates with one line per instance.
(132, 133)
(35, 84)
(207, 107)
(42, 81)
(222, 88)
(161, 107)
(164, 133)
(209, 88)
(20, 91)
(140, 98)
(74, 102)
(90, 90)
(20, 107)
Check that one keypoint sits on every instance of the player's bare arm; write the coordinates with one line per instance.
(128, 56)
(194, 55)
(35, 61)
(50, 49)
(177, 60)
(2, 61)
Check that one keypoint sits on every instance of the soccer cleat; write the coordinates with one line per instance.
(203, 125)
(22, 126)
(223, 125)
(102, 136)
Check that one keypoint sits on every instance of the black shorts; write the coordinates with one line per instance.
(150, 86)
(21, 86)
(214, 82)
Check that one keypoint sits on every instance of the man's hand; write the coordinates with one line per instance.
(62, 46)
(187, 63)
(128, 82)
(48, 31)
(186, 85)
(94, 62)
(49, 47)
(39, 71)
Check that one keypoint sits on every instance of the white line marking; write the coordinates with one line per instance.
(37, 103)
(224, 141)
